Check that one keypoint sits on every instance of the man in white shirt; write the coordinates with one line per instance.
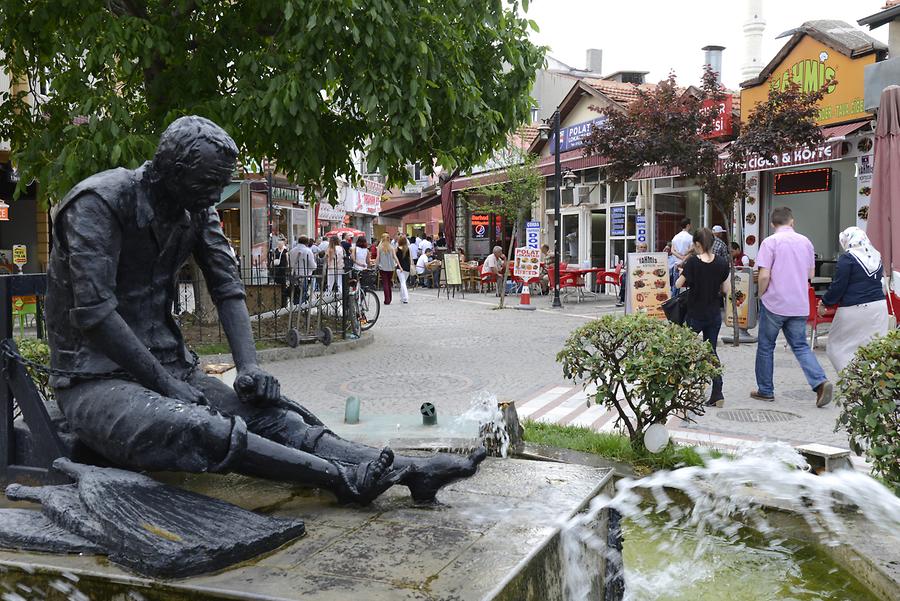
(303, 264)
(425, 244)
(493, 263)
(428, 270)
(413, 249)
(681, 245)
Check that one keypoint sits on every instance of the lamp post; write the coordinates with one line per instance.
(544, 131)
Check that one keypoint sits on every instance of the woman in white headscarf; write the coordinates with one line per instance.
(858, 291)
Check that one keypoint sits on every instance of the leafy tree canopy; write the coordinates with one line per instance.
(305, 82)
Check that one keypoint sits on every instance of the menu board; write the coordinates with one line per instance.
(528, 263)
(866, 171)
(617, 225)
(647, 279)
(451, 269)
(746, 295)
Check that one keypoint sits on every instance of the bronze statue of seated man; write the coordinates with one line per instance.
(132, 391)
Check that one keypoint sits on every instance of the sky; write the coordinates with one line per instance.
(663, 35)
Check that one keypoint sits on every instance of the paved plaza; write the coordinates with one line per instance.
(446, 351)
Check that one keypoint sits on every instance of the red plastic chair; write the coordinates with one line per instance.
(813, 320)
(486, 279)
(893, 302)
(613, 277)
(568, 280)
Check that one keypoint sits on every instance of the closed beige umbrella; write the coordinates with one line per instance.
(884, 210)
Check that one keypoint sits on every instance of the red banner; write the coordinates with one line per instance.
(724, 116)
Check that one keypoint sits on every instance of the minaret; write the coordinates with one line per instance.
(753, 36)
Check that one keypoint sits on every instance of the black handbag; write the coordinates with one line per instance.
(676, 308)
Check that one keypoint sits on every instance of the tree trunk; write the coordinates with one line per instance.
(509, 257)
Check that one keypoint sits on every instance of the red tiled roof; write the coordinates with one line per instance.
(890, 3)
(623, 93)
(524, 136)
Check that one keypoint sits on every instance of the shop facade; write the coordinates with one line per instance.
(827, 187)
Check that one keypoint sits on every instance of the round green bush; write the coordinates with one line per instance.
(652, 367)
(869, 394)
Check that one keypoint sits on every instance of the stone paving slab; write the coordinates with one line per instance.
(484, 531)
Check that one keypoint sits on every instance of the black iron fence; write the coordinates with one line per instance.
(275, 306)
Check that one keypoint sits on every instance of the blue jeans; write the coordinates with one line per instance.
(709, 325)
(794, 329)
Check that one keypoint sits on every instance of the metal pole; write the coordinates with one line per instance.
(556, 302)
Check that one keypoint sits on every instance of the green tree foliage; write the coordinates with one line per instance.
(642, 366)
(869, 393)
(511, 198)
(302, 81)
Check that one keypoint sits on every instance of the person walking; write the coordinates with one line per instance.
(387, 264)
(681, 245)
(720, 243)
(858, 291)
(279, 263)
(405, 261)
(303, 267)
(705, 275)
(786, 262)
(334, 266)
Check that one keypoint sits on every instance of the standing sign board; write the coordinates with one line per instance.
(528, 263)
(745, 293)
(20, 255)
(533, 234)
(647, 278)
(451, 268)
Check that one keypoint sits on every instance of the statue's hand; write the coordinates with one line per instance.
(256, 386)
(181, 390)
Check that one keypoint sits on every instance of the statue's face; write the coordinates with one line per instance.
(200, 187)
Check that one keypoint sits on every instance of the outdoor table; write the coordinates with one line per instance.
(580, 273)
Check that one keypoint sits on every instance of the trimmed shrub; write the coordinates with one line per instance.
(869, 394)
(652, 367)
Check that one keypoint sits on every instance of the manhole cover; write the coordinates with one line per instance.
(755, 415)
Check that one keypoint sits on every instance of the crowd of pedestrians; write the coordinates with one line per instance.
(784, 268)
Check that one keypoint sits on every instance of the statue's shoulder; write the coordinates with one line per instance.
(117, 187)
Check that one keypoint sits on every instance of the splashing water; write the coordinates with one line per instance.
(486, 414)
(724, 499)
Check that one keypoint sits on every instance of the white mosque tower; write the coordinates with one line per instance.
(753, 36)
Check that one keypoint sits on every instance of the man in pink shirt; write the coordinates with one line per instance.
(786, 262)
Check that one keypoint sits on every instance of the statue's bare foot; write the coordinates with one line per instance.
(362, 483)
(431, 474)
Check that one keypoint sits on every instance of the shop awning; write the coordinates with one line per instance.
(839, 131)
(229, 191)
(406, 206)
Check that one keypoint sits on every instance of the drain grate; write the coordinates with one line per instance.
(755, 415)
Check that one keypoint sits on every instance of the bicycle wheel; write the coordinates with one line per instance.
(370, 309)
(353, 315)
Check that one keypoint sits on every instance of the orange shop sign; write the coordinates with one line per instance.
(4, 211)
(812, 64)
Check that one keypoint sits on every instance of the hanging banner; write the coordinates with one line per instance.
(528, 263)
(865, 170)
(366, 200)
(647, 278)
(533, 234)
(480, 224)
(640, 224)
(20, 255)
(331, 213)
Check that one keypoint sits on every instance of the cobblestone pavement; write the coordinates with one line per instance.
(445, 351)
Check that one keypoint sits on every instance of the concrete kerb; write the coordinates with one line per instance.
(271, 355)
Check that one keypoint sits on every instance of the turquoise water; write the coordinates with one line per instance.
(658, 569)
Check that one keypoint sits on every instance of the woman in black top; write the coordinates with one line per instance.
(403, 257)
(706, 276)
(279, 263)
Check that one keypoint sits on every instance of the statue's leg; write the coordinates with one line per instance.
(137, 428)
(292, 425)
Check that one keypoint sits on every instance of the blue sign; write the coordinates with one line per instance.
(572, 136)
(640, 223)
(533, 234)
(617, 223)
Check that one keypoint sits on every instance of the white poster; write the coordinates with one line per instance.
(865, 169)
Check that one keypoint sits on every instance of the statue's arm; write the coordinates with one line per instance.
(227, 291)
(92, 238)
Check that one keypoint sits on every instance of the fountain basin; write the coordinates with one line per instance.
(493, 536)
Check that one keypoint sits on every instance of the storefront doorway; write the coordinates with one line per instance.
(673, 200)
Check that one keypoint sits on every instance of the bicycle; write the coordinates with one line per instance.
(365, 307)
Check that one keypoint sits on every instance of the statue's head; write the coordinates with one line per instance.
(194, 161)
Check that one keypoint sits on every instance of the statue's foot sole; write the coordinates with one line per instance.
(439, 471)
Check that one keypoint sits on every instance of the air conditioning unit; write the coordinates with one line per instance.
(582, 194)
